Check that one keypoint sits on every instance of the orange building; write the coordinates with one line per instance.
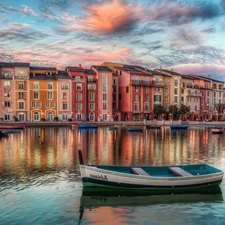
(43, 93)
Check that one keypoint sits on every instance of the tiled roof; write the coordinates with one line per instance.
(89, 71)
(62, 75)
(42, 68)
(39, 76)
(102, 68)
(13, 64)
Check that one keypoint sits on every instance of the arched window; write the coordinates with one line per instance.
(36, 116)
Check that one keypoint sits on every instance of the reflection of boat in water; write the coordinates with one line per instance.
(95, 197)
(153, 126)
(13, 127)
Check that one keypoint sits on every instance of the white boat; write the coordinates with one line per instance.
(152, 178)
(217, 130)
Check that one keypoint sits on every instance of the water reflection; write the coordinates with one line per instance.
(56, 148)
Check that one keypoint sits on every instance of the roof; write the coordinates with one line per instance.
(13, 64)
(102, 68)
(89, 71)
(75, 69)
(42, 68)
(62, 75)
(42, 76)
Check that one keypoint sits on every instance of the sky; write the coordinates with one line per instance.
(186, 36)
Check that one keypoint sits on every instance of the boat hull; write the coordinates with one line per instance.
(178, 127)
(87, 126)
(134, 129)
(95, 177)
(217, 130)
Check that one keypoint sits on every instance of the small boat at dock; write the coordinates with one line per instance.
(175, 178)
(217, 130)
(87, 126)
(133, 129)
(2, 126)
(178, 127)
(3, 133)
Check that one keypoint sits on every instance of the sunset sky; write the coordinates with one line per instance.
(187, 36)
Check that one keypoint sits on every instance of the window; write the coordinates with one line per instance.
(127, 89)
(136, 106)
(147, 81)
(166, 98)
(21, 95)
(104, 97)
(36, 96)
(7, 75)
(104, 78)
(78, 105)
(49, 95)
(136, 89)
(91, 86)
(64, 86)
(6, 116)
(176, 83)
(64, 105)
(7, 104)
(146, 89)
(36, 85)
(64, 95)
(136, 80)
(91, 96)
(33, 104)
(175, 99)
(146, 98)
(166, 90)
(104, 117)
(157, 98)
(79, 97)
(39, 104)
(78, 87)
(47, 104)
(104, 106)
(104, 87)
(175, 91)
(50, 85)
(20, 85)
(114, 81)
(6, 83)
(52, 104)
(146, 106)
(6, 94)
(21, 105)
(36, 116)
(136, 98)
(90, 79)
(157, 80)
(92, 106)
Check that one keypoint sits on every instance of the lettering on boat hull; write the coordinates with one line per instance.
(99, 177)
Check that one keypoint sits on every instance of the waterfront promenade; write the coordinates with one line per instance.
(112, 123)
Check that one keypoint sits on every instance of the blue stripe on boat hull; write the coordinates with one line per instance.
(115, 185)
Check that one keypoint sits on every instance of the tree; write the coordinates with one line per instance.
(184, 109)
(158, 110)
(173, 110)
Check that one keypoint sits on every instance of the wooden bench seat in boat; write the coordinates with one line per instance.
(180, 172)
(139, 171)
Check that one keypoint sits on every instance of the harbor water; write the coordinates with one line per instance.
(40, 183)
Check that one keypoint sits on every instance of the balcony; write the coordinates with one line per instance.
(193, 94)
(92, 81)
(19, 77)
(5, 77)
(78, 79)
(142, 83)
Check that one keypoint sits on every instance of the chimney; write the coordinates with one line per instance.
(79, 65)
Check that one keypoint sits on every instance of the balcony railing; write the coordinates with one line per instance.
(19, 77)
(141, 83)
(194, 94)
(91, 81)
(5, 77)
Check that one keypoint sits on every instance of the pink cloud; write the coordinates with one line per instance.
(200, 69)
(110, 17)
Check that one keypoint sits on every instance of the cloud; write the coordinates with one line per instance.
(19, 32)
(110, 17)
(181, 13)
(26, 10)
